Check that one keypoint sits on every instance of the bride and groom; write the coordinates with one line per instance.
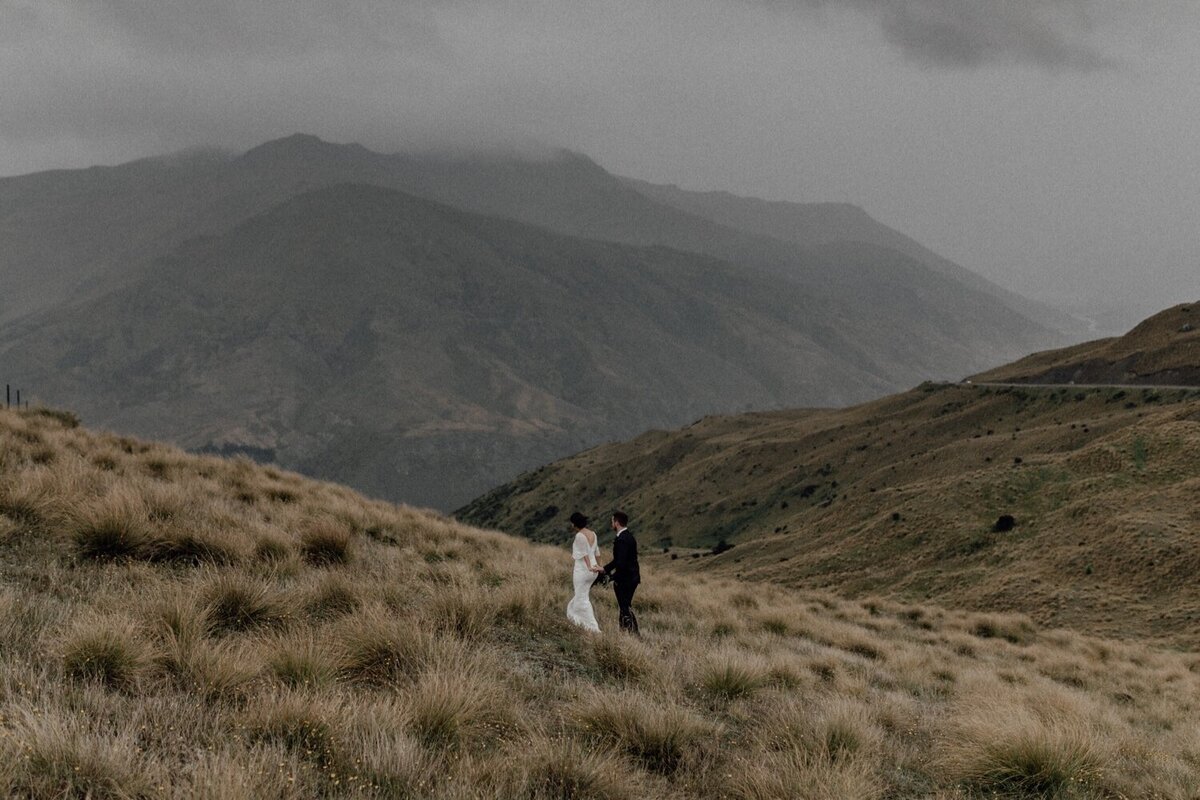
(622, 571)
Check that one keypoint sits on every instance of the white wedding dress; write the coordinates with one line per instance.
(579, 610)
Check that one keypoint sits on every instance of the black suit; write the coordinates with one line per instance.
(623, 569)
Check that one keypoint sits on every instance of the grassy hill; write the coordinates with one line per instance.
(905, 497)
(1163, 350)
(182, 626)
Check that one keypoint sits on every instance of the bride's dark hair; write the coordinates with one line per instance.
(579, 520)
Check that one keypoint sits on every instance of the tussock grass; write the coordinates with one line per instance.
(325, 543)
(240, 602)
(1044, 752)
(661, 736)
(563, 769)
(56, 755)
(448, 708)
(160, 636)
(116, 526)
(332, 597)
(620, 657)
(303, 661)
(376, 648)
(105, 651)
(731, 676)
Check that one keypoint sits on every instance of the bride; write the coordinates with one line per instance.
(586, 554)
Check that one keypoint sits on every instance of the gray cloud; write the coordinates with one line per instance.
(989, 129)
(1053, 34)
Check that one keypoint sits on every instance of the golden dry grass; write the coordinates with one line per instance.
(404, 655)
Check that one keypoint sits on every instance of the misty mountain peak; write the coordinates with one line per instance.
(300, 146)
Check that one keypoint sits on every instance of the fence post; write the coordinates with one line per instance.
(18, 399)
(7, 396)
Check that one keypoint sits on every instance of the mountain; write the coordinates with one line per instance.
(1074, 505)
(420, 351)
(1163, 350)
(183, 626)
(232, 357)
(813, 224)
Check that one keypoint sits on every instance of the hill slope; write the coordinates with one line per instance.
(423, 353)
(1164, 350)
(175, 626)
(902, 497)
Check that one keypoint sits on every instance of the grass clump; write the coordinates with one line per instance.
(564, 769)
(326, 543)
(1014, 750)
(660, 736)
(238, 602)
(731, 676)
(333, 597)
(303, 661)
(58, 756)
(113, 528)
(106, 652)
(376, 649)
(448, 709)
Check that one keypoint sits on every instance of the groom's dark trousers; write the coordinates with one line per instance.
(628, 620)
(625, 576)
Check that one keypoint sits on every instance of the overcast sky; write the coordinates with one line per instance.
(1052, 145)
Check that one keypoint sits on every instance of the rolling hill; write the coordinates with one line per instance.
(1163, 350)
(189, 299)
(906, 496)
(174, 626)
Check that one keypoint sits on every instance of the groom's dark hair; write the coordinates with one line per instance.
(621, 517)
(579, 520)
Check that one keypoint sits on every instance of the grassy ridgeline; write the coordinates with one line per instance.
(174, 626)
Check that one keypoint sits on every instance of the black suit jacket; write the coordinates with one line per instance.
(623, 568)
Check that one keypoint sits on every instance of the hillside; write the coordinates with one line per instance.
(189, 627)
(1164, 350)
(903, 496)
(423, 353)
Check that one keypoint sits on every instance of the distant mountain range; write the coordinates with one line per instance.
(424, 327)
(1073, 504)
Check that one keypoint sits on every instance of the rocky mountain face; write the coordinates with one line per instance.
(427, 326)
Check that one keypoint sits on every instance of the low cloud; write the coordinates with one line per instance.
(1053, 34)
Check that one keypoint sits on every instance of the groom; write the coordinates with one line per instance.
(623, 570)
